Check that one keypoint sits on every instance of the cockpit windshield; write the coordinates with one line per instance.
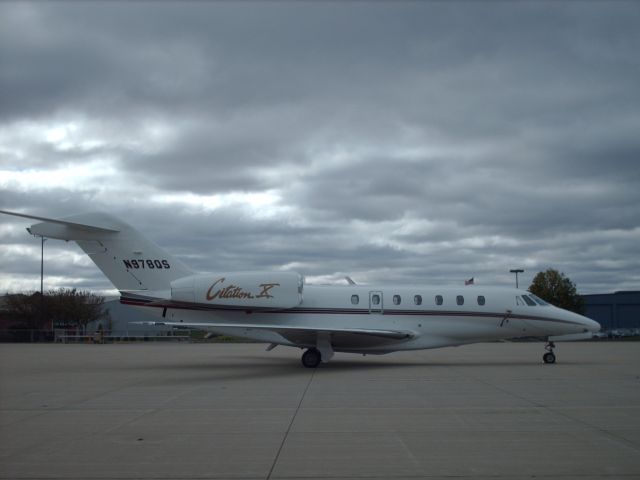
(538, 300)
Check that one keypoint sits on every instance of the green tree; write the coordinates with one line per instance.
(25, 310)
(73, 307)
(558, 290)
(68, 307)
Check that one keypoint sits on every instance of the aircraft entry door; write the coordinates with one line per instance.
(376, 302)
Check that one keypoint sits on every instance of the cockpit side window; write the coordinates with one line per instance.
(519, 301)
(530, 302)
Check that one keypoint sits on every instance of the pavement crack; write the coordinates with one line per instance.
(293, 418)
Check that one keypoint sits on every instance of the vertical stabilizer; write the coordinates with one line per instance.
(126, 257)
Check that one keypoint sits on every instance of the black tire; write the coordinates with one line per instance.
(549, 357)
(311, 358)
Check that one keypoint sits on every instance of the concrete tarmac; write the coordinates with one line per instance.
(221, 411)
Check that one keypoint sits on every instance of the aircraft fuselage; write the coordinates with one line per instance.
(433, 317)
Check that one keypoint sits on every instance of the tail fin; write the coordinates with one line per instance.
(129, 260)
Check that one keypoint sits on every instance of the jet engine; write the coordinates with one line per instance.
(250, 290)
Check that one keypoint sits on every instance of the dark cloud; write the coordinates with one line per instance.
(410, 142)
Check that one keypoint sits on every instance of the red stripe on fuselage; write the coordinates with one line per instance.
(336, 311)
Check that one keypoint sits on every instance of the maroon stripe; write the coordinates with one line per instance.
(334, 311)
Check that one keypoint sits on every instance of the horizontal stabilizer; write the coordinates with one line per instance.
(81, 226)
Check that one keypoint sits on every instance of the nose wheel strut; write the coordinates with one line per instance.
(549, 357)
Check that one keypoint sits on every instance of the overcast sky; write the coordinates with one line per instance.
(389, 141)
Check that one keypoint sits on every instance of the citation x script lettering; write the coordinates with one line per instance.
(233, 291)
(320, 319)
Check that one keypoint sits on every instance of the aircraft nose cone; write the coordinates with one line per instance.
(585, 323)
(592, 325)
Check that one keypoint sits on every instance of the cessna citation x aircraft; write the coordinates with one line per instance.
(276, 307)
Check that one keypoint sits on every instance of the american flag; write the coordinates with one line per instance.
(469, 282)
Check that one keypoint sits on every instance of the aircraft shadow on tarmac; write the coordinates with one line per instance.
(258, 367)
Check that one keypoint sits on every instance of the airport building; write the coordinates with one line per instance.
(614, 311)
(125, 321)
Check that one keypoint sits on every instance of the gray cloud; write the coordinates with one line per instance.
(409, 142)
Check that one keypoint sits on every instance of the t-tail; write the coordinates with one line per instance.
(128, 259)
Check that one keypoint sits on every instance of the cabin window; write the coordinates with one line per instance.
(460, 300)
(417, 299)
(397, 299)
(355, 299)
(375, 299)
(530, 302)
(439, 300)
(480, 300)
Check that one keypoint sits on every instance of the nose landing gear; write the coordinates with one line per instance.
(549, 357)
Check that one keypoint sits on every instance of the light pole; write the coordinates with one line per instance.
(42, 266)
(517, 271)
(42, 282)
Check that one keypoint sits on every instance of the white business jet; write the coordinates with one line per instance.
(278, 308)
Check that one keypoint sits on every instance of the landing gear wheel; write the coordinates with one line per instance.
(549, 357)
(311, 358)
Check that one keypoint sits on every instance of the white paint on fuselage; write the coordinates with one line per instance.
(432, 325)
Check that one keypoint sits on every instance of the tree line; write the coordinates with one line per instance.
(62, 308)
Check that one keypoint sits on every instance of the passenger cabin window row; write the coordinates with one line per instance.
(439, 299)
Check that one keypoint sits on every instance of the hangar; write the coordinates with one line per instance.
(614, 311)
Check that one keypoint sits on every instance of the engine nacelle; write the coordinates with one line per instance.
(259, 290)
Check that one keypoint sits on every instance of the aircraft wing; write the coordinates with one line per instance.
(346, 338)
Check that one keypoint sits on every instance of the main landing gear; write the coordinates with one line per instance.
(549, 357)
(311, 358)
(322, 352)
